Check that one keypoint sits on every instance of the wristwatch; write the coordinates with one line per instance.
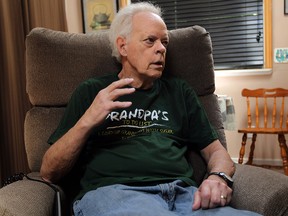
(225, 177)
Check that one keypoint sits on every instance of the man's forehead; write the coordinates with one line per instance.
(147, 19)
(149, 24)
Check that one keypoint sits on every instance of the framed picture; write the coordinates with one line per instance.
(98, 14)
(286, 7)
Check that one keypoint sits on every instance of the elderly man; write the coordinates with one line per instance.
(128, 134)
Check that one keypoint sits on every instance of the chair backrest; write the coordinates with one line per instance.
(266, 108)
(56, 62)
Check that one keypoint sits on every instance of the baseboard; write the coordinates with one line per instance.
(261, 161)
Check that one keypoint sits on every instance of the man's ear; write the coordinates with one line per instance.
(121, 45)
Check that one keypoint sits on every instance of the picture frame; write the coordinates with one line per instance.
(98, 14)
(286, 7)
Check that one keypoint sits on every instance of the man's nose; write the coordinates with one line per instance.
(160, 48)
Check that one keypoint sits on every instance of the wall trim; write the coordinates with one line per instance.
(244, 72)
(261, 161)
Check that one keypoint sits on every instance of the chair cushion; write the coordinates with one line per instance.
(26, 197)
(40, 122)
(189, 56)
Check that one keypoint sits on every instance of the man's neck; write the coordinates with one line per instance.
(140, 81)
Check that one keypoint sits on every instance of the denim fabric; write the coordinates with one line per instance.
(169, 199)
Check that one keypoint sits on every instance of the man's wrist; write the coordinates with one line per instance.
(226, 178)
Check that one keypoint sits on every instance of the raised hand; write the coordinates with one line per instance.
(106, 101)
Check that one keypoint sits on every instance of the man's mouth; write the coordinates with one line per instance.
(158, 63)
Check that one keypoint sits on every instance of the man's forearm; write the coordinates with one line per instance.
(62, 155)
(220, 163)
(218, 159)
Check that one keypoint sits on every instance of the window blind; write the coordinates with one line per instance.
(235, 26)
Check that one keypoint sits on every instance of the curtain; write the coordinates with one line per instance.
(17, 18)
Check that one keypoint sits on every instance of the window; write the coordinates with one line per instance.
(235, 26)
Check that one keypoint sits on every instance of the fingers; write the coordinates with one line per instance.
(206, 198)
(219, 195)
(212, 194)
(106, 101)
(108, 95)
(119, 84)
(197, 201)
(116, 89)
(223, 200)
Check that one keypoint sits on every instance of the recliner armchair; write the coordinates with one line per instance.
(56, 62)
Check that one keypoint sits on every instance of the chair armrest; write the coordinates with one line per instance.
(26, 198)
(260, 190)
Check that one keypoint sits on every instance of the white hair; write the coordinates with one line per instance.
(122, 23)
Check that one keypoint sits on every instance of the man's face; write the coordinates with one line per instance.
(146, 46)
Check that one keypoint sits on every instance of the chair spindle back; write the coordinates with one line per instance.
(275, 94)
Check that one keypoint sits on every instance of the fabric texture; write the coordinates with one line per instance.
(261, 189)
(40, 122)
(26, 197)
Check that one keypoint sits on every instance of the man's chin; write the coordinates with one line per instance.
(157, 74)
(153, 74)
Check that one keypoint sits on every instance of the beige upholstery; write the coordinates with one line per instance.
(56, 62)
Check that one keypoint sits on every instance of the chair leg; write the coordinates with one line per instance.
(252, 148)
(284, 152)
(242, 149)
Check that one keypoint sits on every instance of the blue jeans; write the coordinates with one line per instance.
(169, 199)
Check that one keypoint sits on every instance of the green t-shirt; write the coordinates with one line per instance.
(144, 143)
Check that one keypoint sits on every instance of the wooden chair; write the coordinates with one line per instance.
(270, 117)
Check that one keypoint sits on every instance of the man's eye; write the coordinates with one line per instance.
(165, 43)
(150, 41)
